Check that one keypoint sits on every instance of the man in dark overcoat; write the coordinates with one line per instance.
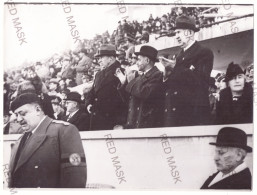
(187, 79)
(144, 91)
(231, 150)
(76, 114)
(49, 154)
(235, 104)
(104, 103)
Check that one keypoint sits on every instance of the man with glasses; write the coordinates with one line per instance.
(76, 114)
(104, 103)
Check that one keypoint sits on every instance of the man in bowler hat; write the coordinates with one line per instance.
(187, 79)
(49, 154)
(76, 115)
(231, 150)
(104, 103)
(235, 104)
(143, 92)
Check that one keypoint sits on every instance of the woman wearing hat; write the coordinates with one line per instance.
(236, 101)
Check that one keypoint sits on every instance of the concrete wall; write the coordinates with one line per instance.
(161, 158)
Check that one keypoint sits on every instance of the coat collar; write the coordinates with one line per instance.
(32, 145)
(75, 116)
(151, 71)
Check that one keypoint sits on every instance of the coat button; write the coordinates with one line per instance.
(36, 167)
(167, 94)
(96, 99)
(175, 93)
(174, 109)
(183, 58)
(94, 114)
(166, 110)
(137, 108)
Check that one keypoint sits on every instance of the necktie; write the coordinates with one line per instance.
(21, 146)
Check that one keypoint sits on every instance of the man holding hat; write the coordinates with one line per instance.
(235, 104)
(187, 79)
(104, 102)
(76, 115)
(231, 150)
(144, 91)
(49, 154)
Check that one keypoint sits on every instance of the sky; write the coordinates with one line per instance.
(33, 32)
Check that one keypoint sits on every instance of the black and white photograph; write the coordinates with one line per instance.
(128, 95)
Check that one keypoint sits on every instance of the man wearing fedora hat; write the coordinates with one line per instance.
(187, 79)
(231, 150)
(49, 154)
(235, 104)
(76, 115)
(104, 103)
(144, 91)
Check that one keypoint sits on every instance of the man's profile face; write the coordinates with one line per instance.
(104, 61)
(183, 37)
(70, 106)
(28, 116)
(142, 63)
(237, 83)
(226, 158)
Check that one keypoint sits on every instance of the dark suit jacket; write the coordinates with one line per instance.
(230, 112)
(47, 160)
(108, 107)
(144, 100)
(241, 180)
(186, 90)
(80, 119)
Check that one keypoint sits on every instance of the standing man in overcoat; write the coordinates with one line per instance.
(187, 79)
(105, 104)
(49, 154)
(143, 92)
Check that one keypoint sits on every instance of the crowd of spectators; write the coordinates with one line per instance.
(54, 78)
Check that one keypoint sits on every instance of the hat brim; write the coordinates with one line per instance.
(99, 55)
(144, 54)
(79, 101)
(247, 148)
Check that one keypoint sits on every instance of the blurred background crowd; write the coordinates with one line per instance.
(53, 78)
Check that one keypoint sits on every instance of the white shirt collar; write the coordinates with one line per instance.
(187, 47)
(220, 176)
(147, 70)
